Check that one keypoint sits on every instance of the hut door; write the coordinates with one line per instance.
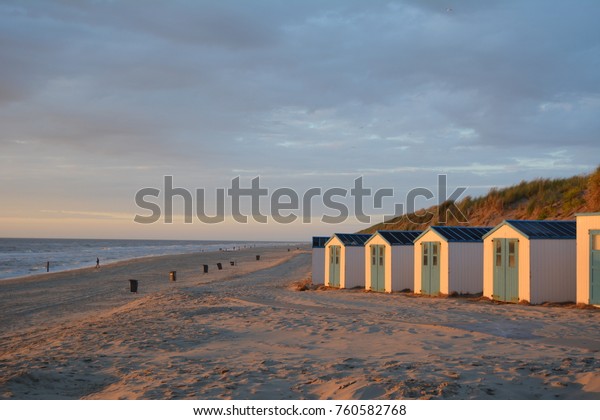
(334, 265)
(595, 268)
(430, 268)
(506, 270)
(378, 268)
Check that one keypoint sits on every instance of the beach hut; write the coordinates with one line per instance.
(345, 260)
(588, 258)
(389, 260)
(530, 260)
(318, 259)
(449, 259)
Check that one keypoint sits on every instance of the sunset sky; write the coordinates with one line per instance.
(99, 99)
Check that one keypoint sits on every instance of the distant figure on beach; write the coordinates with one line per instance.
(97, 262)
(47, 266)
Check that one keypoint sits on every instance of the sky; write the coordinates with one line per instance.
(100, 99)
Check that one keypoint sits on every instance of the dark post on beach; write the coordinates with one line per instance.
(133, 285)
(219, 266)
(173, 275)
(205, 268)
(257, 257)
(47, 266)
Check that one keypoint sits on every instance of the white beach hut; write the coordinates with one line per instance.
(318, 259)
(588, 258)
(345, 260)
(449, 259)
(530, 260)
(389, 261)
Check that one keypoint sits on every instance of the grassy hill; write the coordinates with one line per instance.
(540, 199)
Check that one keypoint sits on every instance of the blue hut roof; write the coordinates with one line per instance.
(542, 229)
(319, 241)
(460, 233)
(352, 239)
(400, 237)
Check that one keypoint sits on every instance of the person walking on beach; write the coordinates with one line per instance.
(97, 262)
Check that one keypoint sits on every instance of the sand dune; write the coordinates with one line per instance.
(246, 333)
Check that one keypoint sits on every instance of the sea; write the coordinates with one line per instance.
(25, 257)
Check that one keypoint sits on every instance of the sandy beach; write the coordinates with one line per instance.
(247, 332)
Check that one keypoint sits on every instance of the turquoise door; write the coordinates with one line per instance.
(334, 265)
(595, 268)
(430, 268)
(506, 270)
(378, 268)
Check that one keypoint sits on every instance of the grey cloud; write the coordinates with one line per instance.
(302, 86)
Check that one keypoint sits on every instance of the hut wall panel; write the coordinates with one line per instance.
(553, 270)
(466, 267)
(318, 265)
(403, 268)
(354, 267)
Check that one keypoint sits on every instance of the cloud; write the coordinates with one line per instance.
(88, 214)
